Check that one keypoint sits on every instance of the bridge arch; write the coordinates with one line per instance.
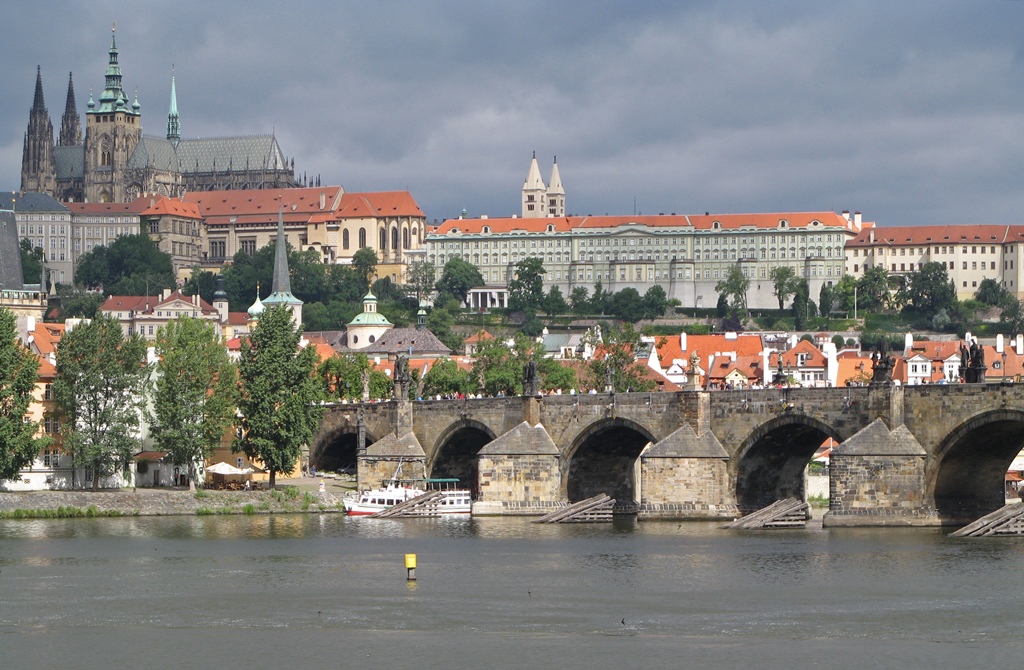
(455, 452)
(770, 463)
(603, 459)
(967, 473)
(337, 450)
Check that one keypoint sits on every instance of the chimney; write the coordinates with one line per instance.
(857, 219)
(323, 200)
(846, 214)
(1019, 344)
(682, 341)
(871, 236)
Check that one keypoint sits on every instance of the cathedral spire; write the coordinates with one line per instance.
(70, 123)
(534, 192)
(281, 289)
(38, 169)
(556, 192)
(173, 123)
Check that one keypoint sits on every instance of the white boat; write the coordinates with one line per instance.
(454, 500)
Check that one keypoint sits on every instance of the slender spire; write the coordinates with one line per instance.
(38, 104)
(113, 98)
(282, 282)
(173, 123)
(534, 191)
(70, 123)
(38, 169)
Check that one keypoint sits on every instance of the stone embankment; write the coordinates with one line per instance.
(164, 502)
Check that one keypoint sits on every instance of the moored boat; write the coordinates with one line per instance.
(453, 500)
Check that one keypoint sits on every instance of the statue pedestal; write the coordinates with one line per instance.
(691, 383)
(976, 375)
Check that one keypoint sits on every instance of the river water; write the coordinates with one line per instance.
(309, 591)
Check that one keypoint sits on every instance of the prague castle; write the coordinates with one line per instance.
(114, 162)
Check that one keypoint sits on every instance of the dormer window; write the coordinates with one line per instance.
(716, 225)
(783, 223)
(486, 230)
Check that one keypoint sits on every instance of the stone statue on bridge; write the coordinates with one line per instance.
(975, 368)
(531, 385)
(882, 365)
(402, 377)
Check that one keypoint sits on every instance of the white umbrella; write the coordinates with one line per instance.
(223, 468)
(1017, 465)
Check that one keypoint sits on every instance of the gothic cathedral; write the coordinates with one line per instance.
(115, 162)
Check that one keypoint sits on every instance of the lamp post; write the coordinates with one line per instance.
(1001, 350)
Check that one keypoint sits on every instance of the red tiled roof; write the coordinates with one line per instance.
(105, 207)
(695, 222)
(261, 205)
(705, 345)
(929, 235)
(161, 205)
(379, 203)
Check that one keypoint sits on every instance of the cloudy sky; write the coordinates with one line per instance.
(911, 112)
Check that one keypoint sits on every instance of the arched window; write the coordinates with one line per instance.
(344, 239)
(405, 238)
(362, 237)
(383, 239)
(394, 239)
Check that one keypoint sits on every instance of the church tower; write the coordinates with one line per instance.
(556, 192)
(70, 124)
(534, 192)
(173, 124)
(113, 128)
(38, 168)
(281, 289)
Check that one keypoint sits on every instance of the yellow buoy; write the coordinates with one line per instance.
(410, 567)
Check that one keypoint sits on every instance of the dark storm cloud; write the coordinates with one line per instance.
(911, 113)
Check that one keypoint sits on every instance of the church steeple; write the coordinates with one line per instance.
(38, 169)
(281, 289)
(534, 192)
(556, 192)
(113, 98)
(70, 123)
(173, 123)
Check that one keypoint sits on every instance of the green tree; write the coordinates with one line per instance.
(131, 265)
(826, 300)
(440, 322)
(364, 263)
(75, 301)
(445, 377)
(801, 304)
(843, 294)
(31, 262)
(279, 394)
(18, 370)
(499, 368)
(655, 302)
(618, 354)
(929, 290)
(457, 277)
(627, 305)
(554, 301)
(1013, 315)
(100, 390)
(873, 289)
(526, 290)
(991, 292)
(421, 276)
(341, 378)
(555, 376)
(734, 286)
(194, 400)
(579, 300)
(784, 280)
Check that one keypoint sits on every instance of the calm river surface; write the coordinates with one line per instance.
(313, 592)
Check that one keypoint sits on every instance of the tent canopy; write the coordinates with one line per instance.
(223, 468)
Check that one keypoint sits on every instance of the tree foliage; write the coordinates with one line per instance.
(498, 368)
(991, 292)
(930, 289)
(341, 378)
(18, 369)
(100, 391)
(1013, 315)
(194, 397)
(784, 282)
(457, 277)
(421, 276)
(873, 289)
(364, 263)
(734, 287)
(279, 394)
(31, 262)
(526, 289)
(619, 348)
(445, 377)
(131, 265)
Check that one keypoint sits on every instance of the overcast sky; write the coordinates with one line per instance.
(911, 112)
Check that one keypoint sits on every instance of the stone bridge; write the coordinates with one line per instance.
(908, 455)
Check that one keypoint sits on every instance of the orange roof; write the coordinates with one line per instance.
(815, 359)
(934, 350)
(149, 303)
(853, 369)
(669, 347)
(695, 222)
(479, 336)
(104, 207)
(380, 203)
(927, 235)
(261, 205)
(161, 205)
(46, 336)
(748, 366)
(47, 370)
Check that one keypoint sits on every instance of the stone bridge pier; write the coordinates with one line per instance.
(923, 455)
